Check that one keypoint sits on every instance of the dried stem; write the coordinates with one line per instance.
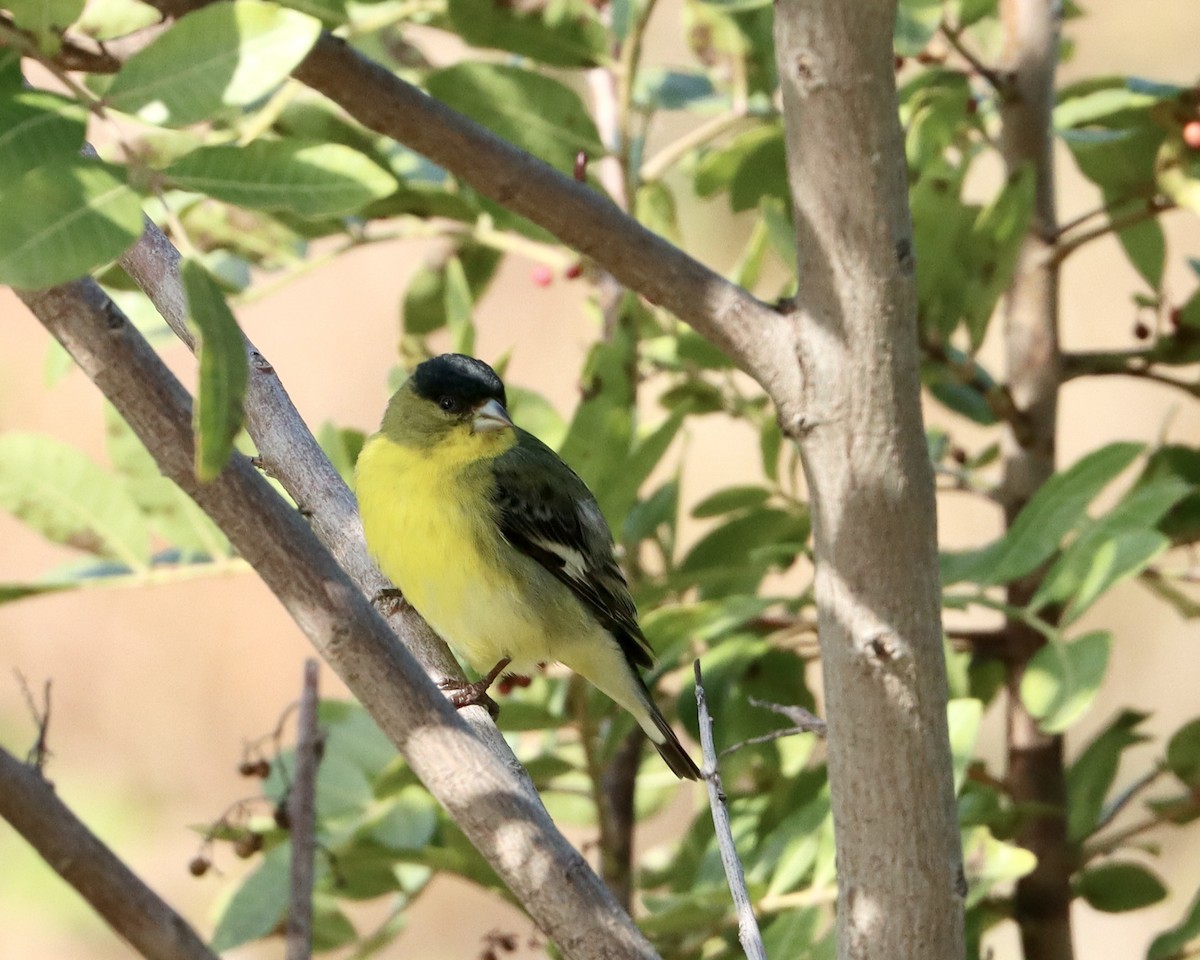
(302, 816)
(134, 911)
(748, 932)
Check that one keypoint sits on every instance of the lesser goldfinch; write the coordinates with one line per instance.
(499, 545)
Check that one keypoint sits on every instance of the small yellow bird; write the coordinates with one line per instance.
(499, 545)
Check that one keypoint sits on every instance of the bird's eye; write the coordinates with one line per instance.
(449, 404)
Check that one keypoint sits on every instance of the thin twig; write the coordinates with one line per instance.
(1066, 245)
(748, 932)
(998, 81)
(654, 168)
(40, 751)
(1122, 800)
(302, 810)
(804, 720)
(133, 910)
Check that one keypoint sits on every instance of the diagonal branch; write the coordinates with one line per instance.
(754, 335)
(489, 799)
(133, 910)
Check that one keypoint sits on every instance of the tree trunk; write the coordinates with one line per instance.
(901, 883)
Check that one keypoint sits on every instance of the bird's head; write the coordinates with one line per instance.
(451, 397)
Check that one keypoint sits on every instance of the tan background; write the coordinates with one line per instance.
(155, 689)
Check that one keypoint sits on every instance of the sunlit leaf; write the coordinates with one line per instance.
(1063, 678)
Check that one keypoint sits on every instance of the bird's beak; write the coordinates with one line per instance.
(490, 416)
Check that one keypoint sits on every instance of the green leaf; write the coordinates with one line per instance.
(1118, 887)
(424, 308)
(223, 370)
(751, 167)
(297, 176)
(67, 498)
(64, 219)
(1054, 510)
(916, 23)
(1173, 942)
(1145, 245)
(38, 128)
(258, 905)
(1183, 753)
(992, 863)
(459, 308)
(601, 432)
(1091, 776)
(110, 19)
(45, 19)
(562, 34)
(1118, 545)
(226, 54)
(532, 111)
(406, 821)
(964, 716)
(729, 500)
(1182, 522)
(1063, 678)
(996, 239)
(331, 928)
(174, 515)
(618, 497)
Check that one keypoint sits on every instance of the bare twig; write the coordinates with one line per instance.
(1122, 800)
(1068, 244)
(998, 81)
(302, 809)
(748, 932)
(39, 753)
(804, 720)
(490, 799)
(132, 909)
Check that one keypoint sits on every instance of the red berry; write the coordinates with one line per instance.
(1191, 134)
(1140, 330)
(972, 106)
(574, 271)
(198, 867)
(541, 275)
(1175, 316)
(581, 162)
(899, 62)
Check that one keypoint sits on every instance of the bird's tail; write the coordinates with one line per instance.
(669, 747)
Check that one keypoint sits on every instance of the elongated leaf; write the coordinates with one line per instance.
(298, 176)
(963, 716)
(1183, 753)
(223, 371)
(618, 497)
(257, 906)
(1115, 547)
(38, 128)
(174, 515)
(1056, 508)
(1118, 887)
(566, 34)
(1171, 943)
(1091, 776)
(729, 500)
(1063, 679)
(67, 498)
(62, 220)
(229, 53)
(459, 308)
(45, 19)
(533, 111)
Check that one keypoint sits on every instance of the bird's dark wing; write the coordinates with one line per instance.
(547, 512)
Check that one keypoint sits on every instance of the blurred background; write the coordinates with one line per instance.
(156, 689)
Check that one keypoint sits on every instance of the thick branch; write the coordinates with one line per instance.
(133, 910)
(900, 877)
(492, 802)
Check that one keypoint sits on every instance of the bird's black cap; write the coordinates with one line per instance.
(459, 376)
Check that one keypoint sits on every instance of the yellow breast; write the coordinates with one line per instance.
(428, 525)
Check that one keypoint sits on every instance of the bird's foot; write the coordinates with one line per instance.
(511, 681)
(464, 693)
(389, 601)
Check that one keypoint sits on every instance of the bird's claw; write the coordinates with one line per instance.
(463, 693)
(389, 601)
